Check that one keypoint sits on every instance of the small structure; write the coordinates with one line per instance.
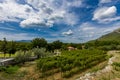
(6, 62)
(71, 48)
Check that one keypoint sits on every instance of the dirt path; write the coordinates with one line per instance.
(107, 69)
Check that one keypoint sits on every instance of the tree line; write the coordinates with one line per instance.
(11, 47)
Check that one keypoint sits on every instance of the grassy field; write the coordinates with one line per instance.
(6, 55)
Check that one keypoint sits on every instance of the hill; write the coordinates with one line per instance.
(113, 36)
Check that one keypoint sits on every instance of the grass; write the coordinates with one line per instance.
(115, 73)
(6, 55)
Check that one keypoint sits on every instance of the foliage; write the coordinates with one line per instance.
(39, 52)
(21, 56)
(116, 66)
(57, 44)
(12, 48)
(9, 69)
(4, 46)
(38, 43)
(78, 60)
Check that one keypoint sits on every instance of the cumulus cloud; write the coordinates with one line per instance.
(69, 32)
(10, 10)
(105, 14)
(105, 1)
(39, 12)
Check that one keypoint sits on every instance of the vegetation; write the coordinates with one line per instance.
(39, 52)
(4, 46)
(9, 69)
(39, 43)
(70, 63)
(22, 57)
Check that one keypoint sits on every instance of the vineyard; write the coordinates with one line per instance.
(70, 62)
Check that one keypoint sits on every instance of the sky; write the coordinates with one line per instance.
(73, 21)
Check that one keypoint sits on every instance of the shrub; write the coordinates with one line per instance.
(22, 56)
(11, 69)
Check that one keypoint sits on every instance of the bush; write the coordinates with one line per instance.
(11, 69)
(2, 68)
(22, 56)
(39, 52)
(66, 74)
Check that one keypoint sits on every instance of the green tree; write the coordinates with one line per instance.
(39, 52)
(38, 43)
(57, 44)
(50, 47)
(11, 48)
(23, 47)
(22, 57)
(4, 46)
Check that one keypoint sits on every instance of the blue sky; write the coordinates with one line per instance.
(66, 20)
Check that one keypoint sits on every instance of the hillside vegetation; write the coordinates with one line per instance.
(113, 36)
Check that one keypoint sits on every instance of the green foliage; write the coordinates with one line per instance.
(9, 69)
(3, 47)
(114, 36)
(57, 44)
(39, 52)
(12, 48)
(116, 66)
(38, 43)
(71, 62)
(22, 56)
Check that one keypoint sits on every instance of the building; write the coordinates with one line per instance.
(71, 48)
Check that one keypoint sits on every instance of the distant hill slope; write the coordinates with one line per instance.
(24, 41)
(113, 36)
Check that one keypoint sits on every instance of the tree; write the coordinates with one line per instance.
(23, 47)
(4, 46)
(57, 44)
(22, 57)
(50, 47)
(12, 48)
(39, 43)
(39, 52)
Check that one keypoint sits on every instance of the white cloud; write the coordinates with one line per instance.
(69, 32)
(18, 36)
(72, 3)
(105, 14)
(88, 31)
(40, 13)
(71, 19)
(105, 1)
(32, 22)
(86, 27)
(10, 11)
